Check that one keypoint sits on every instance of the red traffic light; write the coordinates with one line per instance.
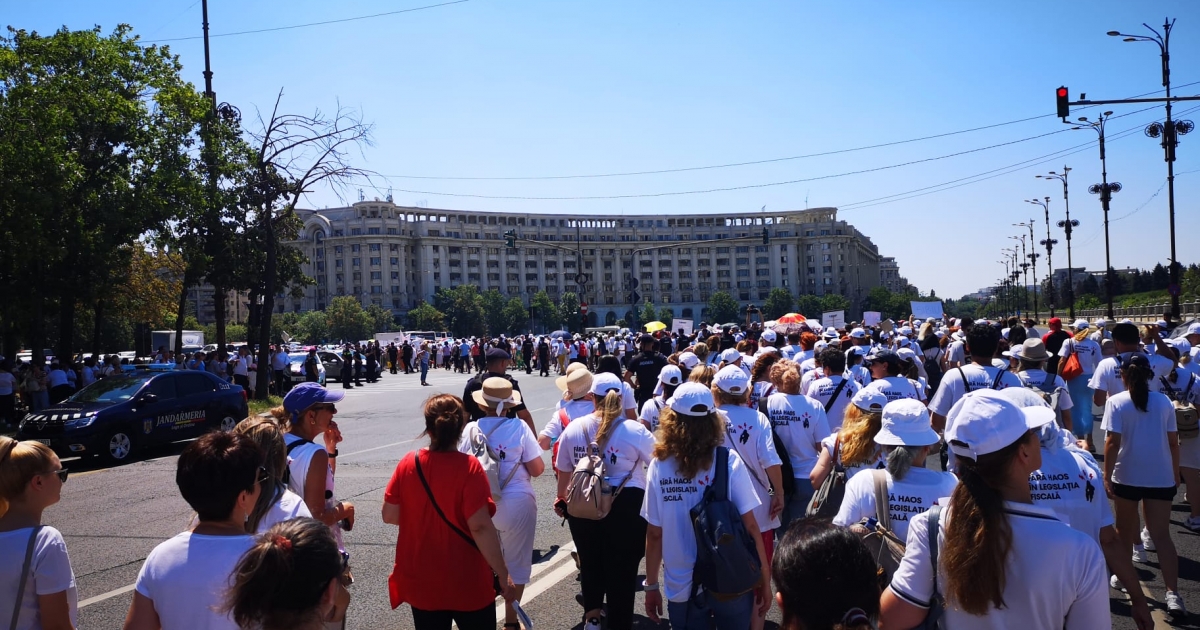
(1062, 92)
(1062, 102)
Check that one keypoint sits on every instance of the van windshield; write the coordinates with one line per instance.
(113, 389)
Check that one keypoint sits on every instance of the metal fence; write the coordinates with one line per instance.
(1147, 313)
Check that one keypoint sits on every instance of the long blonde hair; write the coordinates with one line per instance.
(20, 462)
(265, 432)
(611, 409)
(856, 440)
(702, 374)
(1081, 335)
(689, 439)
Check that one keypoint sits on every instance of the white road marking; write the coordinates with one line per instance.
(109, 595)
(563, 570)
(376, 448)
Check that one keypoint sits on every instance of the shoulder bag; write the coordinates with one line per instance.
(1071, 368)
(454, 528)
(937, 603)
(828, 498)
(24, 577)
(877, 535)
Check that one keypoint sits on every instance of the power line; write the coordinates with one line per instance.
(321, 23)
(676, 193)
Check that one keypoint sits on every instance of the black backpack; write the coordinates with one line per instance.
(727, 562)
(933, 371)
(786, 471)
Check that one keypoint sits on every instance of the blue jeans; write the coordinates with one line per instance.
(424, 370)
(699, 613)
(796, 505)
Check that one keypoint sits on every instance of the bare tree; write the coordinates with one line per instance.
(293, 153)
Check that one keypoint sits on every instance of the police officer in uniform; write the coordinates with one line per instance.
(644, 368)
(496, 366)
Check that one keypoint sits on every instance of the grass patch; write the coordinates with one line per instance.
(262, 406)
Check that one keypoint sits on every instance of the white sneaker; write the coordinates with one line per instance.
(1147, 542)
(1116, 584)
(1175, 605)
(1139, 554)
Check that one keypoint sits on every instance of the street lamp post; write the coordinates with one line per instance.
(1105, 189)
(1067, 226)
(1024, 265)
(1033, 256)
(1169, 132)
(1049, 244)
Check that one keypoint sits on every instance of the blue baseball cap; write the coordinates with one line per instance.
(305, 395)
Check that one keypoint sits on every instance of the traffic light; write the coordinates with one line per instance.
(510, 239)
(1064, 105)
(766, 237)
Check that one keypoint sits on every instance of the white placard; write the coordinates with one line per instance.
(925, 310)
(871, 318)
(683, 326)
(834, 319)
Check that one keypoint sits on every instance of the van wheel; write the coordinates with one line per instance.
(118, 447)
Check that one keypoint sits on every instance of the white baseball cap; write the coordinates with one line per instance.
(768, 336)
(732, 379)
(1101, 322)
(1162, 323)
(870, 399)
(858, 333)
(692, 399)
(985, 421)
(906, 353)
(906, 422)
(1194, 328)
(1181, 345)
(731, 355)
(603, 383)
(1081, 324)
(688, 360)
(669, 375)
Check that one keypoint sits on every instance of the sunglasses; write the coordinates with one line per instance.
(263, 475)
(61, 473)
(325, 407)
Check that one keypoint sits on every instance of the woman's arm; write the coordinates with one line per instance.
(141, 615)
(1173, 442)
(55, 611)
(654, 607)
(762, 593)
(895, 613)
(535, 466)
(820, 470)
(488, 541)
(314, 491)
(1112, 444)
(391, 513)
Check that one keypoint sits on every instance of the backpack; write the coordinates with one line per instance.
(877, 535)
(1047, 391)
(589, 495)
(583, 349)
(786, 471)
(490, 461)
(565, 420)
(933, 371)
(1187, 420)
(727, 562)
(967, 384)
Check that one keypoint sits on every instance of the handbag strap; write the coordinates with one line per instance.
(832, 399)
(837, 454)
(24, 577)
(935, 514)
(883, 512)
(429, 493)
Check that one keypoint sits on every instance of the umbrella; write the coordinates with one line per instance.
(729, 325)
(791, 318)
(654, 326)
(559, 333)
(787, 329)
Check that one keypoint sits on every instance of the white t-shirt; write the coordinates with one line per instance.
(789, 351)
(241, 365)
(288, 507)
(978, 376)
(876, 460)
(860, 374)
(49, 572)
(823, 388)
(629, 447)
(920, 490)
(897, 387)
(1056, 576)
(801, 424)
(186, 578)
(575, 409)
(668, 503)
(956, 353)
(803, 355)
(1087, 351)
(651, 409)
(810, 377)
(748, 432)
(7, 383)
(1070, 483)
(279, 360)
(757, 390)
(1144, 458)
(1107, 377)
(56, 378)
(1035, 379)
(513, 442)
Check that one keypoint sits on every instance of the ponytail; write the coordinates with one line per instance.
(444, 421)
(1137, 383)
(280, 582)
(612, 409)
(979, 536)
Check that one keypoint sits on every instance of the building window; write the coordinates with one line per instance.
(395, 262)
(355, 248)
(375, 261)
(356, 262)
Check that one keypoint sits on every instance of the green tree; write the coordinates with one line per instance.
(779, 303)
(545, 311)
(515, 316)
(1190, 282)
(568, 310)
(666, 315)
(834, 302)
(463, 308)
(722, 308)
(493, 312)
(313, 327)
(379, 319)
(809, 306)
(347, 319)
(647, 313)
(426, 317)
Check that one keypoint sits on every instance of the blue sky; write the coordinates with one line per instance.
(493, 88)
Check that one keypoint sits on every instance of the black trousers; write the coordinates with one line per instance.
(482, 619)
(610, 551)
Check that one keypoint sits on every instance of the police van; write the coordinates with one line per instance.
(117, 416)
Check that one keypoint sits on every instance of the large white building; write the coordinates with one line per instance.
(397, 256)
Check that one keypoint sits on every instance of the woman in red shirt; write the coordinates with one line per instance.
(448, 549)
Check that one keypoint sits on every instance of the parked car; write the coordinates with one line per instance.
(296, 369)
(115, 417)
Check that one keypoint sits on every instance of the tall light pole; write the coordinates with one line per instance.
(1067, 226)
(1169, 132)
(1006, 304)
(1024, 265)
(1033, 256)
(1105, 189)
(1049, 244)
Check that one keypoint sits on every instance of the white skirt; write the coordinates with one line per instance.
(1189, 453)
(516, 521)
